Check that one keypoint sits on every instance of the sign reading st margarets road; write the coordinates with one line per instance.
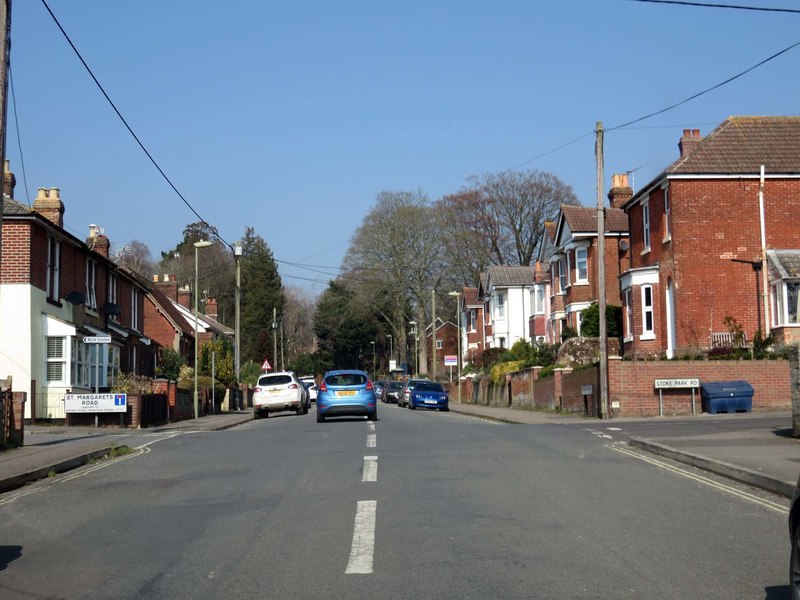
(96, 403)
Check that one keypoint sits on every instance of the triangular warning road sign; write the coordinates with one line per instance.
(266, 366)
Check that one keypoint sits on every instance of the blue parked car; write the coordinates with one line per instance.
(346, 392)
(428, 394)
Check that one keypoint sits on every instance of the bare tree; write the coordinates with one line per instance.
(298, 323)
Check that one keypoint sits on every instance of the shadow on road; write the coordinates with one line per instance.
(9, 554)
(777, 592)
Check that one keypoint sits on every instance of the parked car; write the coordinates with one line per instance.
(346, 392)
(311, 385)
(379, 387)
(276, 392)
(794, 537)
(408, 385)
(428, 394)
(392, 392)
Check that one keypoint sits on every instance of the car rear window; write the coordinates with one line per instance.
(428, 386)
(346, 379)
(395, 385)
(275, 380)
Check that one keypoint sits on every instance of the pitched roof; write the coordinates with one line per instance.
(12, 207)
(162, 302)
(582, 219)
(786, 263)
(511, 276)
(740, 145)
(471, 296)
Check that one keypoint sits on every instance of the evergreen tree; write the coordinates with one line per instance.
(262, 292)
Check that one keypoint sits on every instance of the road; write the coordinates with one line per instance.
(417, 505)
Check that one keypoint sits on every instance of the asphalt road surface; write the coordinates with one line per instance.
(417, 505)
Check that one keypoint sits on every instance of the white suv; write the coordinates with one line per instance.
(311, 386)
(276, 392)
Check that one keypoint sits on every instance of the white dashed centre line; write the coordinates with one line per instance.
(371, 426)
(372, 440)
(370, 472)
(363, 548)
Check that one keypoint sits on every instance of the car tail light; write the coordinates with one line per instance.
(258, 389)
(322, 387)
(292, 386)
(369, 384)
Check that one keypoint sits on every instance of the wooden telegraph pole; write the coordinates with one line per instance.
(5, 44)
(601, 272)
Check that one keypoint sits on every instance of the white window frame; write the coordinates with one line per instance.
(667, 214)
(473, 320)
(80, 364)
(113, 294)
(628, 315)
(781, 303)
(569, 269)
(58, 359)
(648, 309)
(538, 299)
(135, 309)
(501, 306)
(53, 268)
(562, 276)
(646, 226)
(439, 344)
(91, 284)
(578, 261)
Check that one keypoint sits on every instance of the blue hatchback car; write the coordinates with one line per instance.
(428, 394)
(345, 393)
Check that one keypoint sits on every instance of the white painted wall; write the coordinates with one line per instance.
(514, 326)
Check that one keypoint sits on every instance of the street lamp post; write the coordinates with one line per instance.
(197, 246)
(458, 327)
(416, 352)
(391, 351)
(373, 359)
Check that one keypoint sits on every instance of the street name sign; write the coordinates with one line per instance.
(586, 390)
(664, 384)
(96, 403)
(97, 339)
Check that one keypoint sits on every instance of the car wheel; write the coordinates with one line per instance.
(444, 409)
(794, 567)
(372, 416)
(320, 417)
(411, 405)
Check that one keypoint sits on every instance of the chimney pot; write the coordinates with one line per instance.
(687, 143)
(696, 133)
(687, 132)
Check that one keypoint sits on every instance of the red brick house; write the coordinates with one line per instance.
(473, 334)
(571, 254)
(695, 235)
(57, 289)
(446, 344)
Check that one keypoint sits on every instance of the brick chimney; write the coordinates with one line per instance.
(97, 241)
(620, 191)
(185, 297)
(48, 204)
(167, 286)
(211, 308)
(9, 181)
(688, 141)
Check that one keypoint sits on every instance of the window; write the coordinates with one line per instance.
(112, 294)
(569, 270)
(135, 309)
(562, 275)
(667, 209)
(628, 314)
(112, 365)
(55, 360)
(473, 320)
(538, 300)
(501, 306)
(53, 268)
(646, 225)
(81, 364)
(581, 266)
(91, 280)
(501, 342)
(439, 344)
(84, 364)
(648, 329)
(785, 300)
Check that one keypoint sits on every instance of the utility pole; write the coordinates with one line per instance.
(601, 271)
(275, 339)
(237, 255)
(433, 334)
(5, 42)
(283, 365)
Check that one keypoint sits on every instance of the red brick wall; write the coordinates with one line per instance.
(156, 325)
(16, 252)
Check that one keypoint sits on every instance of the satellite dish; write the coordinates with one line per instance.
(624, 245)
(76, 298)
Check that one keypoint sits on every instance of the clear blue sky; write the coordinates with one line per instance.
(291, 116)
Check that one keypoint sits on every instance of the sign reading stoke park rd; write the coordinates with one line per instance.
(666, 384)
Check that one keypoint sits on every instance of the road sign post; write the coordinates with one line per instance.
(98, 340)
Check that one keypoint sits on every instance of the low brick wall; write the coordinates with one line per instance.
(631, 384)
(12, 419)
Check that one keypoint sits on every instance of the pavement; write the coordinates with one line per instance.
(757, 449)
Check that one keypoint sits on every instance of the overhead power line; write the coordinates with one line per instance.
(19, 137)
(128, 127)
(731, 6)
